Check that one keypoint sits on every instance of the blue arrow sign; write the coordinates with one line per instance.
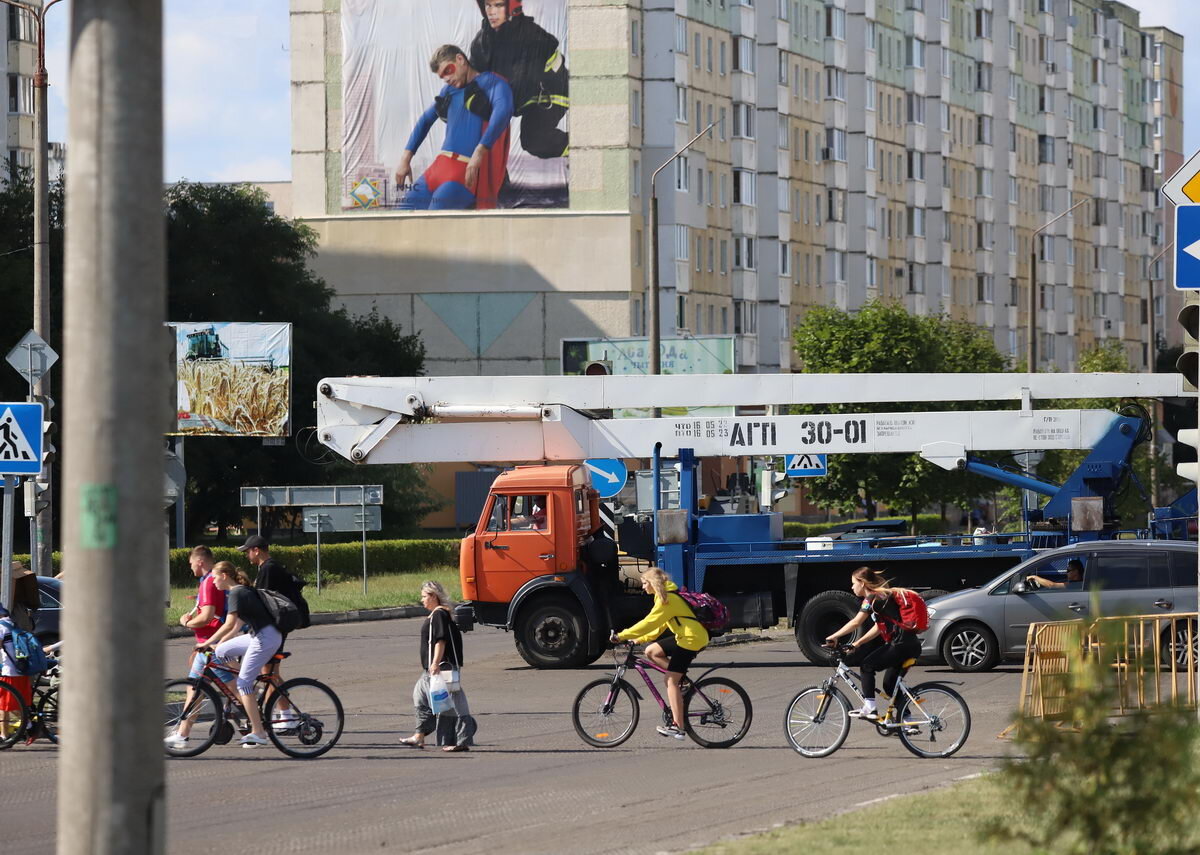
(807, 465)
(608, 475)
(20, 439)
(1187, 247)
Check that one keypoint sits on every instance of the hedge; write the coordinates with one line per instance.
(926, 524)
(337, 559)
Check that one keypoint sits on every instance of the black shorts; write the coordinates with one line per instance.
(678, 658)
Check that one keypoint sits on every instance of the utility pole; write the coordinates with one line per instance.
(44, 526)
(1155, 405)
(1031, 329)
(655, 331)
(111, 798)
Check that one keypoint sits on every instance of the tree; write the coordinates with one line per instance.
(229, 258)
(882, 337)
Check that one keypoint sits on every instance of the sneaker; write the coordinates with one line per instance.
(175, 741)
(252, 741)
(672, 731)
(285, 721)
(868, 712)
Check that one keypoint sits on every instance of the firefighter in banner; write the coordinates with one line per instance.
(477, 108)
(510, 44)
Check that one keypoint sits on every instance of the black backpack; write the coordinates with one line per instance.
(284, 613)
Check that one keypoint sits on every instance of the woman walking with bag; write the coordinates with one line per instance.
(441, 663)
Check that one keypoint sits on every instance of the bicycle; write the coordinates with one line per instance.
(817, 720)
(717, 711)
(36, 719)
(216, 712)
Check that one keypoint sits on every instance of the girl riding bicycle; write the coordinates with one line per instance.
(255, 649)
(680, 637)
(887, 644)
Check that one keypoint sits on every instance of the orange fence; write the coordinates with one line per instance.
(1153, 660)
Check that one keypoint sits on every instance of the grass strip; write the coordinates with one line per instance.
(383, 590)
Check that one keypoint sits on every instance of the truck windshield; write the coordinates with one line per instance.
(518, 513)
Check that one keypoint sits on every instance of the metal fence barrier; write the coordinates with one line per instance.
(1152, 657)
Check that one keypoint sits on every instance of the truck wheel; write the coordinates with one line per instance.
(970, 647)
(551, 633)
(825, 613)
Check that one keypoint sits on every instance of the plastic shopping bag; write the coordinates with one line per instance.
(439, 695)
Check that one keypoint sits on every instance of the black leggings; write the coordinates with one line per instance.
(883, 655)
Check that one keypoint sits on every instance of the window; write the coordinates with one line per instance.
(681, 243)
(983, 77)
(743, 253)
(635, 37)
(1045, 148)
(1120, 571)
(700, 187)
(1045, 99)
(743, 54)
(984, 237)
(835, 144)
(724, 257)
(782, 135)
(1098, 71)
(708, 54)
(945, 108)
(783, 196)
(835, 201)
(983, 130)
(835, 83)
(1045, 198)
(724, 191)
(636, 177)
(916, 278)
(983, 182)
(1045, 296)
(743, 121)
(837, 265)
(745, 317)
(710, 188)
(869, 95)
(782, 62)
(743, 186)
(1099, 213)
(635, 108)
(699, 112)
(983, 24)
(699, 256)
(1045, 249)
(681, 39)
(914, 52)
(871, 151)
(682, 181)
(869, 36)
(916, 108)
(916, 221)
(721, 124)
(696, 50)
(722, 55)
(916, 165)
(985, 288)
(681, 104)
(946, 68)
(835, 23)
(785, 260)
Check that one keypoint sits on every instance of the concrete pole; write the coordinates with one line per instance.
(1031, 320)
(1152, 349)
(111, 798)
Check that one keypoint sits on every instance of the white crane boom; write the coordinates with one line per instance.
(514, 419)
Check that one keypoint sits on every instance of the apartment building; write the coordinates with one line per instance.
(1169, 155)
(18, 62)
(926, 151)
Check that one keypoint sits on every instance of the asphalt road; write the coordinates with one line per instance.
(531, 785)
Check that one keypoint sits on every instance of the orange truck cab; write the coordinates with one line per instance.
(534, 566)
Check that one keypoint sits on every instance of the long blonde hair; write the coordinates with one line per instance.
(237, 574)
(877, 583)
(658, 581)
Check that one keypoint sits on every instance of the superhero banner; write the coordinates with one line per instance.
(454, 104)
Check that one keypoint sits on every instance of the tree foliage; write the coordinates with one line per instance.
(882, 337)
(229, 258)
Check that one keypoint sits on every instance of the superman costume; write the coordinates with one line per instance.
(476, 114)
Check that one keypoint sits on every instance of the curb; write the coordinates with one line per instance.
(324, 618)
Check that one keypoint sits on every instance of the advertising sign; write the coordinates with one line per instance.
(692, 355)
(233, 379)
(454, 104)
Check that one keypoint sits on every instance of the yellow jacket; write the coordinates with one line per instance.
(674, 614)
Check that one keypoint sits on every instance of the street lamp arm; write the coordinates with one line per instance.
(1060, 216)
(676, 155)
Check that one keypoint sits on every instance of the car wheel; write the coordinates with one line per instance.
(823, 614)
(970, 647)
(1174, 644)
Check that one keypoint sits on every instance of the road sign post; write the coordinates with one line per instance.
(6, 542)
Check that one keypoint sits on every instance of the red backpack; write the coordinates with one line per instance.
(914, 617)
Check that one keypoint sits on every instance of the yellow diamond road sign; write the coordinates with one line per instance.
(1183, 188)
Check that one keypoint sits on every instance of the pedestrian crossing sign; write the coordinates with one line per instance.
(20, 439)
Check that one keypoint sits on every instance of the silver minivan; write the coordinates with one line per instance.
(974, 629)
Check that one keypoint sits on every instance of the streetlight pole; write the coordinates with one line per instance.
(43, 549)
(1152, 334)
(655, 332)
(1031, 331)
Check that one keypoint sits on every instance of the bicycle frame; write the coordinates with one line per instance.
(639, 664)
(853, 680)
(234, 701)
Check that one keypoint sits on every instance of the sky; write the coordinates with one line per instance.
(228, 111)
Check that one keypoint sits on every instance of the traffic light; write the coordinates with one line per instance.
(769, 489)
(49, 451)
(598, 368)
(1188, 363)
(36, 499)
(1191, 471)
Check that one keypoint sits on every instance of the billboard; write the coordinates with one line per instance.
(233, 379)
(692, 355)
(454, 104)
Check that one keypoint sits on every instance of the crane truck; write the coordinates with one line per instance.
(535, 564)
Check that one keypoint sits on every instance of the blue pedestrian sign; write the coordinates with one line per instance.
(20, 439)
(1187, 247)
(806, 465)
(608, 475)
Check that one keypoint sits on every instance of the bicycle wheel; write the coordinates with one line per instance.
(205, 712)
(14, 716)
(47, 714)
(605, 715)
(717, 713)
(312, 718)
(938, 723)
(817, 721)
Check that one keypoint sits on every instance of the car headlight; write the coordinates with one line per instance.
(930, 611)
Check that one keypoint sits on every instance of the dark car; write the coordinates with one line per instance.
(48, 619)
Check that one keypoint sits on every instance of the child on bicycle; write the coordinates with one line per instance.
(887, 644)
(255, 648)
(680, 636)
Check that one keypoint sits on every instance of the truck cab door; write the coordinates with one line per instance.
(516, 545)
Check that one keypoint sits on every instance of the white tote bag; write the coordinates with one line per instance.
(452, 677)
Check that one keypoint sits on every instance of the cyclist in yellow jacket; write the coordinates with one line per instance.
(677, 635)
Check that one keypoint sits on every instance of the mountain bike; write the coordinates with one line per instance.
(37, 719)
(717, 711)
(931, 719)
(216, 712)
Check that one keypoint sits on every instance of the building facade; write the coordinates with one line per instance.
(912, 150)
(18, 62)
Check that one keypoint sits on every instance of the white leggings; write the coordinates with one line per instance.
(254, 649)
